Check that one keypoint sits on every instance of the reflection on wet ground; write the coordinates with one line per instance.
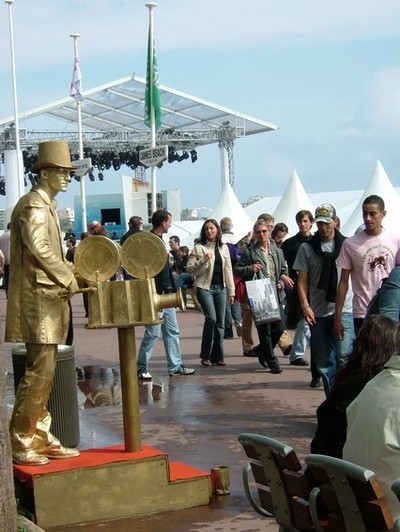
(101, 386)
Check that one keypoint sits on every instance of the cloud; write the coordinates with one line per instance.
(114, 28)
(380, 112)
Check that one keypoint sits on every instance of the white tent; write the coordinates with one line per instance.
(346, 202)
(263, 205)
(293, 200)
(379, 185)
(229, 205)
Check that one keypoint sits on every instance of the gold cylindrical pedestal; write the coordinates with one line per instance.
(220, 480)
(129, 389)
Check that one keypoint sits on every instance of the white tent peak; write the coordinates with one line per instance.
(379, 185)
(229, 205)
(293, 200)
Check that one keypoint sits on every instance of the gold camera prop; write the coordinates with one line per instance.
(124, 303)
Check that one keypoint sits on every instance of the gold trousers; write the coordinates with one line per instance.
(30, 420)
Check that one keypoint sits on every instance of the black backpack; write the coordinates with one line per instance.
(373, 307)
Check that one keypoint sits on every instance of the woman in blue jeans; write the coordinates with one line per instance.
(210, 263)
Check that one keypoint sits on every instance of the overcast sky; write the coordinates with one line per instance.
(326, 73)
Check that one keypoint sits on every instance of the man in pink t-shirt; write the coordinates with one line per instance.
(368, 256)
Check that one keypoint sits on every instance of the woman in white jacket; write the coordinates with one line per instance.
(210, 263)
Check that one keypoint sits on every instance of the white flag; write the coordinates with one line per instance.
(76, 83)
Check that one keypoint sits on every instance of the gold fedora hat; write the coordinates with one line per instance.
(53, 154)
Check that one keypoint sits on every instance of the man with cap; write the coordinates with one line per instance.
(317, 284)
(40, 286)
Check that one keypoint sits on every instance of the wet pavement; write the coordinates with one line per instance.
(194, 419)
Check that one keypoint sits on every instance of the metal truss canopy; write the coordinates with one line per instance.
(112, 115)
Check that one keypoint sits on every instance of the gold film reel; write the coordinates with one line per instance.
(97, 258)
(143, 255)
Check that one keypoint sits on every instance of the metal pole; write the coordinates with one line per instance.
(151, 6)
(76, 36)
(16, 119)
(129, 389)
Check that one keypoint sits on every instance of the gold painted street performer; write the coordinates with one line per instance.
(41, 284)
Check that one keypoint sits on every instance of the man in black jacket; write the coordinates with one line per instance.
(294, 319)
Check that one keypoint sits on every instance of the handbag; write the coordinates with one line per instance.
(263, 302)
(239, 288)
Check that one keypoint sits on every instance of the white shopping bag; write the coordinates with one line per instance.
(263, 301)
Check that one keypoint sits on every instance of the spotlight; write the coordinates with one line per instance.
(101, 176)
(91, 176)
(171, 154)
(182, 157)
(193, 156)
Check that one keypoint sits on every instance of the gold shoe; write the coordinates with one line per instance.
(58, 452)
(29, 457)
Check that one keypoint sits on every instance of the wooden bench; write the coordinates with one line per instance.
(283, 489)
(351, 495)
(396, 489)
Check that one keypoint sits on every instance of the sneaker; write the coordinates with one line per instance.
(182, 370)
(299, 362)
(238, 327)
(315, 382)
(144, 376)
(276, 369)
(250, 353)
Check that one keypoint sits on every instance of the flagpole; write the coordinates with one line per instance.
(75, 37)
(20, 182)
(151, 6)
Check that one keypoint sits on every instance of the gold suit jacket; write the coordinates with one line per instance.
(38, 273)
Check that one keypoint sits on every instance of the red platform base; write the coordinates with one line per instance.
(109, 483)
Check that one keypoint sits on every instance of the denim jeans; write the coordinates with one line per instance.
(170, 334)
(184, 281)
(301, 340)
(213, 303)
(323, 350)
(328, 353)
(344, 347)
(233, 315)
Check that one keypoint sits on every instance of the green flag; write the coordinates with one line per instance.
(152, 94)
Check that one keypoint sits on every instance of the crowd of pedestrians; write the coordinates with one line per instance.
(323, 283)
